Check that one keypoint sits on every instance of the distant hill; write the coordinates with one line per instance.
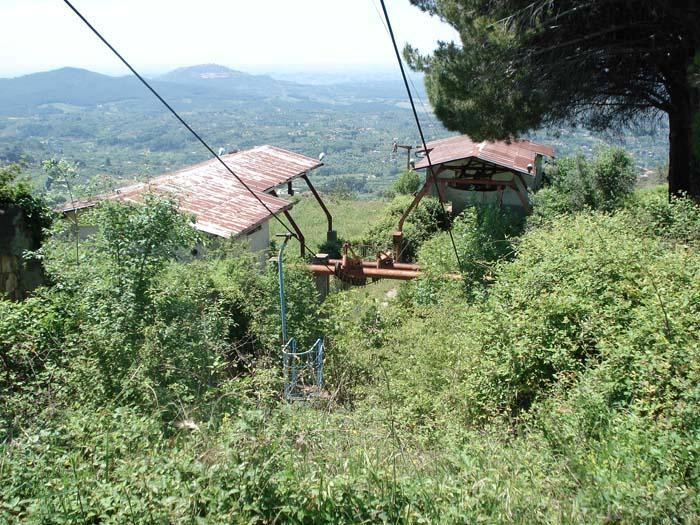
(78, 87)
(231, 81)
(201, 84)
(237, 82)
(206, 73)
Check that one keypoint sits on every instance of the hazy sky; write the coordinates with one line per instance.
(253, 35)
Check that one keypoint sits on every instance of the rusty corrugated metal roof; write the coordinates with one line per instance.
(222, 206)
(514, 155)
(265, 167)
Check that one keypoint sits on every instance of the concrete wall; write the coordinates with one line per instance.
(258, 240)
(17, 276)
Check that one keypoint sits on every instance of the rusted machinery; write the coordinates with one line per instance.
(352, 269)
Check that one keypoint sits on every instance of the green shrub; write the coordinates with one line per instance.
(483, 236)
(130, 323)
(114, 287)
(584, 348)
(292, 466)
(677, 220)
(36, 337)
(576, 184)
(614, 177)
(582, 294)
(302, 306)
(407, 183)
(424, 221)
(18, 192)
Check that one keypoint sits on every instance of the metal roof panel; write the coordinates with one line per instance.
(513, 155)
(222, 205)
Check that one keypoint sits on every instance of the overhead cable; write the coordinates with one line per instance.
(420, 129)
(184, 123)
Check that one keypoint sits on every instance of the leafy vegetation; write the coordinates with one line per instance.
(407, 183)
(575, 183)
(18, 192)
(127, 322)
(557, 381)
(483, 236)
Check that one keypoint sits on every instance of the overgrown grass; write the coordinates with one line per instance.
(350, 218)
(561, 389)
(288, 466)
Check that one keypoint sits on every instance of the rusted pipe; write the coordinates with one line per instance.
(385, 273)
(373, 264)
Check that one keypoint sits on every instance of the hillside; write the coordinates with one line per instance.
(115, 131)
(556, 382)
(205, 83)
(234, 84)
(36, 93)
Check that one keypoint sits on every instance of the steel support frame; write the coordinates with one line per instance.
(398, 234)
(331, 236)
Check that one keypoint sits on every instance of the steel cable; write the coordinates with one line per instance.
(420, 129)
(184, 123)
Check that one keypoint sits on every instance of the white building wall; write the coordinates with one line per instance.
(258, 240)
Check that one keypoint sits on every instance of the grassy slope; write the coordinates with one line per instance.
(576, 322)
(350, 218)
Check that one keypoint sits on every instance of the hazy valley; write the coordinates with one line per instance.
(114, 129)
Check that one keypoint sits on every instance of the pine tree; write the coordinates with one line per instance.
(523, 64)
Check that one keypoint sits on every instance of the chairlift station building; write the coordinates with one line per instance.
(467, 172)
(221, 205)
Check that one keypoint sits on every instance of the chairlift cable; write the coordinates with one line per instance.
(420, 129)
(430, 115)
(427, 112)
(184, 123)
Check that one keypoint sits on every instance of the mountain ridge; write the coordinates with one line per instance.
(205, 83)
(79, 87)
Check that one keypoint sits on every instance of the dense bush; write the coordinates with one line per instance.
(483, 236)
(128, 323)
(677, 220)
(407, 183)
(585, 346)
(576, 183)
(18, 192)
(573, 296)
(290, 466)
(424, 221)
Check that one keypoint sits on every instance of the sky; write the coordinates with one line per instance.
(255, 36)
